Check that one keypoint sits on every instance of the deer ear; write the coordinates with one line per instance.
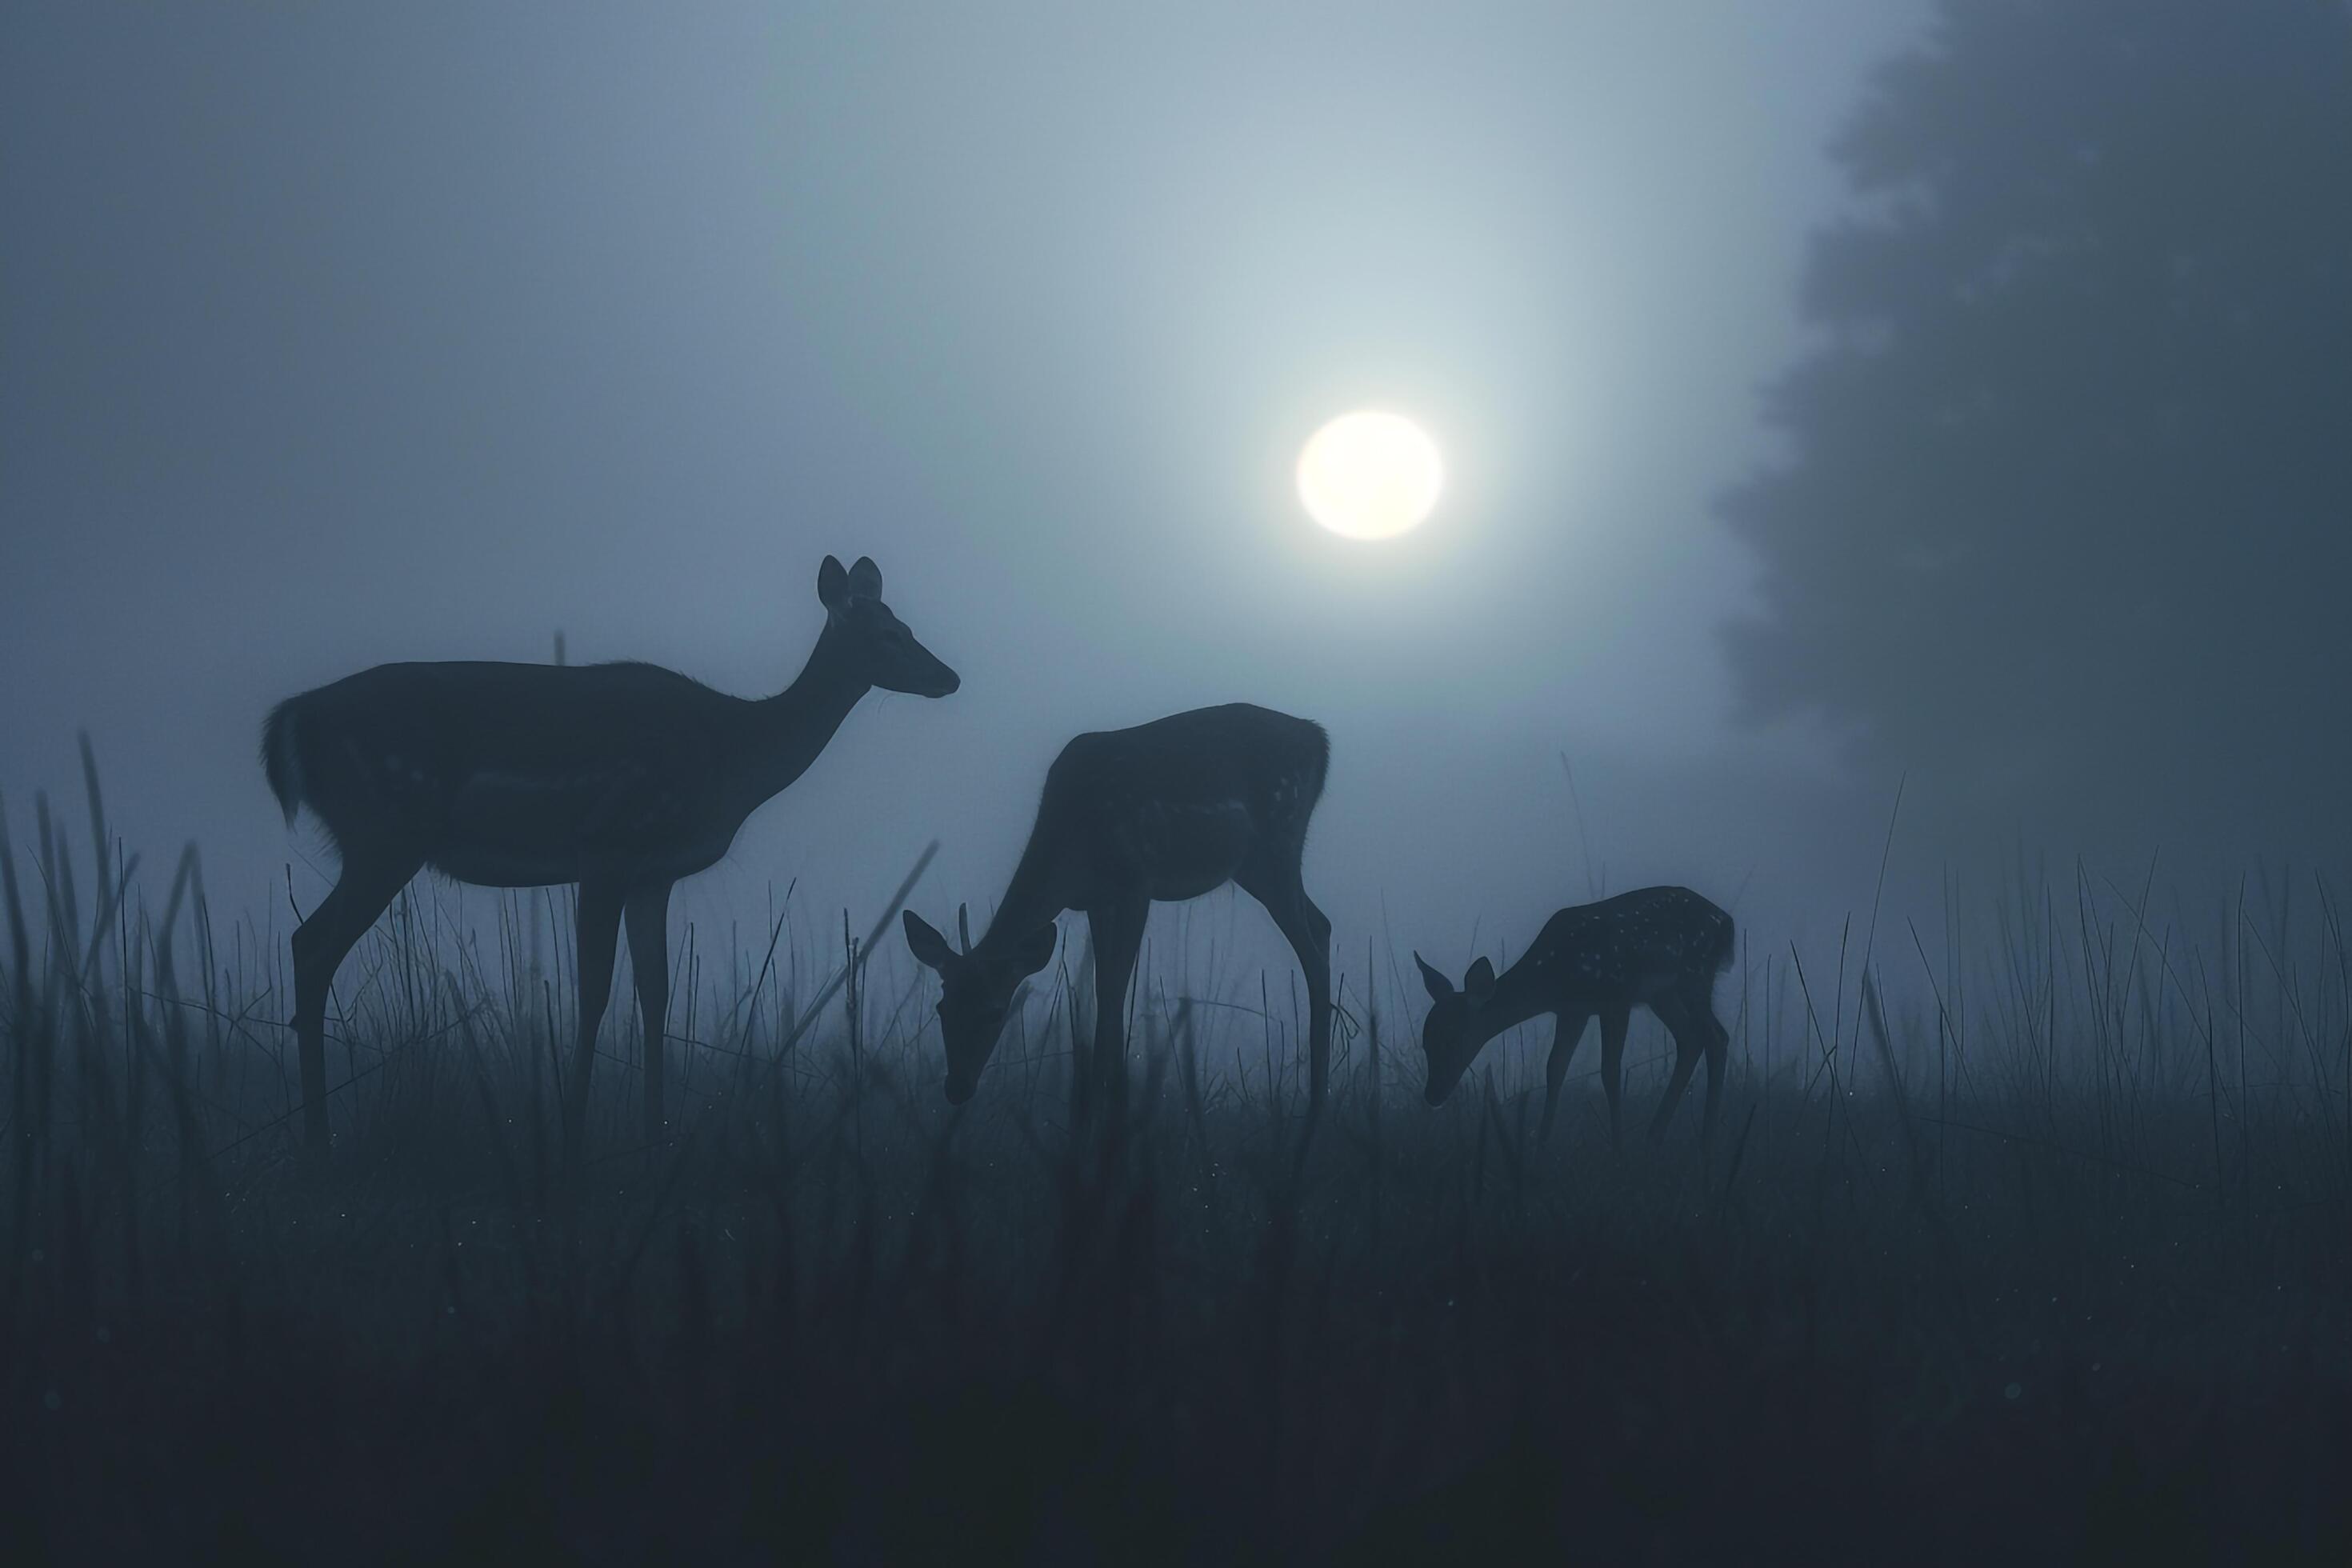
(928, 946)
(1479, 984)
(831, 585)
(1438, 987)
(865, 579)
(1036, 949)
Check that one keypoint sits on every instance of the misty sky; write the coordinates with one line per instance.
(337, 335)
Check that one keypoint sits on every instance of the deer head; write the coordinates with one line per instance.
(1453, 1032)
(875, 645)
(975, 992)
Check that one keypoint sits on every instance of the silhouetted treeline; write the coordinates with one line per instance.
(2066, 517)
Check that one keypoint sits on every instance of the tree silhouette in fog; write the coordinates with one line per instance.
(2064, 512)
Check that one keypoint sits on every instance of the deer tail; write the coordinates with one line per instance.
(281, 758)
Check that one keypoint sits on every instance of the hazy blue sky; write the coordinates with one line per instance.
(331, 335)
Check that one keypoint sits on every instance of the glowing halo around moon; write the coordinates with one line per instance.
(1369, 475)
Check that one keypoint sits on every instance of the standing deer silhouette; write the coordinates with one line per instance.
(622, 778)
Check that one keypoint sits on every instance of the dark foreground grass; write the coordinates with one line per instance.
(2079, 1292)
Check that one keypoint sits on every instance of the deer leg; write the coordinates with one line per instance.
(1117, 934)
(597, 933)
(1309, 932)
(1315, 960)
(366, 887)
(1688, 1044)
(1718, 1046)
(1568, 1029)
(1613, 1058)
(648, 913)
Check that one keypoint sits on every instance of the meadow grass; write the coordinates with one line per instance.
(2033, 1246)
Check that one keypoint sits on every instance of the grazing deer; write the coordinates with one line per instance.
(620, 777)
(1166, 811)
(1659, 948)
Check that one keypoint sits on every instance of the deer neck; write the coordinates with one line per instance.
(788, 730)
(1521, 992)
(1031, 900)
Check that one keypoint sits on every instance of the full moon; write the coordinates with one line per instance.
(1369, 475)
